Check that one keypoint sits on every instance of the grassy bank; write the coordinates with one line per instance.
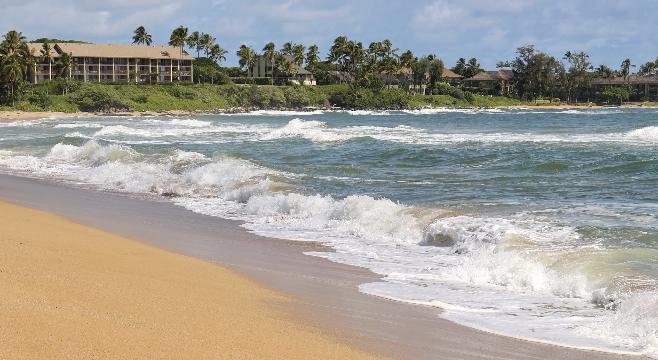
(72, 97)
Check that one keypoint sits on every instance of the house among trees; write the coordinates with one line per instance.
(451, 77)
(497, 82)
(283, 70)
(111, 63)
(340, 77)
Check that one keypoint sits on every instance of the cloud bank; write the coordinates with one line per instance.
(489, 30)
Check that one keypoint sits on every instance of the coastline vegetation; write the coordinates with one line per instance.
(378, 76)
(68, 96)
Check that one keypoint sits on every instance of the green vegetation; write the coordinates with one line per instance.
(54, 41)
(351, 76)
(615, 96)
(70, 96)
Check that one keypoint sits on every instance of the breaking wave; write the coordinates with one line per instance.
(523, 275)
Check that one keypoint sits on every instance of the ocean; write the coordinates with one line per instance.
(537, 224)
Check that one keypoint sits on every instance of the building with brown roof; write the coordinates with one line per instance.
(491, 82)
(116, 63)
(451, 76)
(643, 86)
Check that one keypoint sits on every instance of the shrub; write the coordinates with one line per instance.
(101, 98)
(40, 98)
(180, 92)
(141, 99)
(447, 89)
(360, 98)
(61, 86)
(468, 96)
(616, 95)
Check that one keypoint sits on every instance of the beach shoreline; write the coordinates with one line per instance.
(327, 291)
(11, 116)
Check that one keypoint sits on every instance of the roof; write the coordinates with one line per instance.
(341, 76)
(447, 73)
(35, 49)
(620, 80)
(302, 71)
(498, 75)
(115, 51)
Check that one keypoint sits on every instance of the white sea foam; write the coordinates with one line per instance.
(82, 124)
(313, 130)
(433, 111)
(278, 113)
(179, 122)
(649, 134)
(369, 112)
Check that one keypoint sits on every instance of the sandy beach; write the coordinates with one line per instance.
(8, 116)
(71, 291)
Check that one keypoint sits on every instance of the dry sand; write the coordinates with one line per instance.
(8, 116)
(71, 291)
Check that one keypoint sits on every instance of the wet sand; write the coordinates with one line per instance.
(325, 294)
(73, 292)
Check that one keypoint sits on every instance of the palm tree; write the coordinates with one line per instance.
(207, 42)
(269, 51)
(247, 58)
(298, 54)
(625, 69)
(387, 48)
(194, 42)
(177, 39)
(12, 71)
(375, 50)
(407, 58)
(65, 64)
(141, 37)
(337, 50)
(47, 54)
(13, 42)
(312, 56)
(217, 54)
(287, 48)
(285, 66)
(14, 60)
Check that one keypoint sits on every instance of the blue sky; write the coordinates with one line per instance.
(487, 29)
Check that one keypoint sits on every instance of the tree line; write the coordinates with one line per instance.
(540, 75)
(536, 74)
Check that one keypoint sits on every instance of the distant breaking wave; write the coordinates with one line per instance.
(322, 132)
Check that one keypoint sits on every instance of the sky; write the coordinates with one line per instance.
(489, 30)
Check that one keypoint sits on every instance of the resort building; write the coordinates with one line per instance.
(264, 69)
(643, 87)
(491, 82)
(115, 63)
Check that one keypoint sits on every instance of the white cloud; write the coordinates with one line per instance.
(488, 29)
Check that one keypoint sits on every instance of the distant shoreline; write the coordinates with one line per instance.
(10, 116)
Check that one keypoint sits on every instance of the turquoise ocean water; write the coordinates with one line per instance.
(535, 224)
